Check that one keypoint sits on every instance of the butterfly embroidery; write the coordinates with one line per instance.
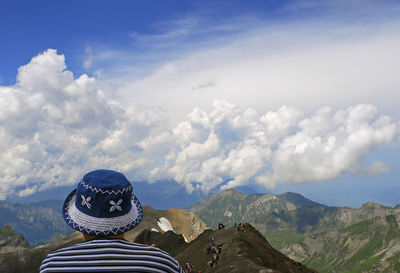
(85, 201)
(115, 206)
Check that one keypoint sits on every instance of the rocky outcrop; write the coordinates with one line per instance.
(8, 238)
(182, 222)
(169, 241)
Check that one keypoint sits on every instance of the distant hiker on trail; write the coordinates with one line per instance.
(212, 241)
(215, 256)
(221, 226)
(103, 207)
(212, 262)
(188, 267)
(218, 249)
(240, 227)
(208, 247)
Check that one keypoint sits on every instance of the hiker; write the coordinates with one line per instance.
(212, 241)
(103, 207)
(208, 247)
(221, 226)
(212, 262)
(216, 256)
(188, 267)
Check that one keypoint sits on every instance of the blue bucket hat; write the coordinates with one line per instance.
(103, 204)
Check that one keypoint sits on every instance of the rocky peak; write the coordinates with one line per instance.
(11, 239)
(371, 206)
(232, 193)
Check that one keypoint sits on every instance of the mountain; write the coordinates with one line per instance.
(242, 251)
(38, 221)
(289, 211)
(18, 259)
(371, 245)
(329, 239)
(342, 217)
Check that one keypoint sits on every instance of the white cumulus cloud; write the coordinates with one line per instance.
(55, 127)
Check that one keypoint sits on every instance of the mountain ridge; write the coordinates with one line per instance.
(313, 233)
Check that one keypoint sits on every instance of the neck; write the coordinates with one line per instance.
(92, 237)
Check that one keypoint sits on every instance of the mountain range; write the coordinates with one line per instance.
(328, 239)
(178, 232)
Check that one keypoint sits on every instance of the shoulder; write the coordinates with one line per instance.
(106, 250)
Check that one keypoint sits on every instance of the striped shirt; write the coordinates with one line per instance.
(110, 255)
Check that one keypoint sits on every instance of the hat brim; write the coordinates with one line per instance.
(101, 226)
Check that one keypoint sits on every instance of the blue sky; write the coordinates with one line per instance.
(291, 95)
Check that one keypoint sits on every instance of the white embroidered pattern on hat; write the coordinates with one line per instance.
(85, 201)
(109, 192)
(115, 205)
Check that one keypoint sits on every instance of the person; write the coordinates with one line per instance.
(188, 268)
(103, 207)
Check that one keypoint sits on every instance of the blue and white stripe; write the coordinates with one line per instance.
(110, 255)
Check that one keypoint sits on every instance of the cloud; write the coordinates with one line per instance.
(87, 64)
(55, 127)
(377, 168)
(303, 64)
(327, 145)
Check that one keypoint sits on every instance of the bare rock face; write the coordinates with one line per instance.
(186, 223)
(176, 220)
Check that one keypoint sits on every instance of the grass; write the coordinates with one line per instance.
(279, 238)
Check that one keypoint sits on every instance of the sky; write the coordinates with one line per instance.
(285, 95)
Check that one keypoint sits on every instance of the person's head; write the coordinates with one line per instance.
(102, 205)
